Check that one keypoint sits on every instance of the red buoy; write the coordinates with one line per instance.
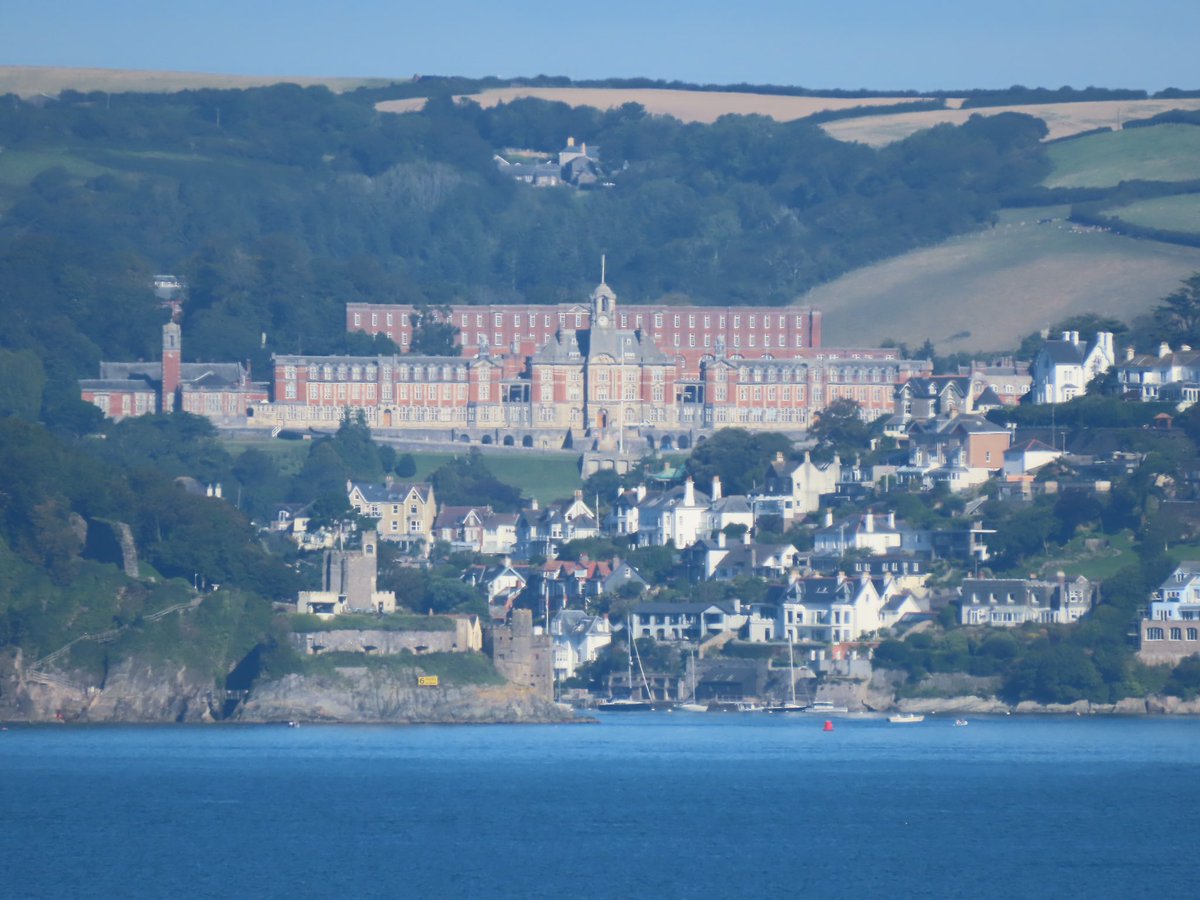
(828, 725)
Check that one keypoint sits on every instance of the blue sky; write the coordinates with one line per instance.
(892, 44)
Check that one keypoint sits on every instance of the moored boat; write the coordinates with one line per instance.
(825, 707)
(905, 718)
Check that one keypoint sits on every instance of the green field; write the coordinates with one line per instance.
(1160, 153)
(546, 477)
(986, 290)
(19, 167)
(1178, 213)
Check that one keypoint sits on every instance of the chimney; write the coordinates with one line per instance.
(746, 537)
(689, 492)
(217, 490)
(641, 492)
(1164, 349)
(869, 520)
(778, 456)
(1066, 336)
(570, 142)
(1128, 353)
(829, 518)
(891, 520)
(720, 539)
(716, 487)
(579, 494)
(533, 504)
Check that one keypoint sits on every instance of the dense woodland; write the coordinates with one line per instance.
(279, 205)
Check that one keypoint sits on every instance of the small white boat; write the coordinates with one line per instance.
(905, 718)
(692, 707)
(825, 707)
(961, 723)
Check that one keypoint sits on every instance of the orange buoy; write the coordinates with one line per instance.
(828, 725)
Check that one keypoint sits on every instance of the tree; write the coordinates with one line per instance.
(841, 426)
(433, 332)
(738, 457)
(467, 481)
(1179, 313)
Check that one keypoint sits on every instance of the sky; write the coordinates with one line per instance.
(881, 44)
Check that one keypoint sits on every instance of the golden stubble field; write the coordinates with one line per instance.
(1062, 119)
(30, 81)
(687, 106)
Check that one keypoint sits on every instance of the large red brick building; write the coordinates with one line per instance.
(687, 333)
(532, 374)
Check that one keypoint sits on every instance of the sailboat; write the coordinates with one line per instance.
(692, 705)
(789, 705)
(630, 703)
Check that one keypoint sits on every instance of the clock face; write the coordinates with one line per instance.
(602, 320)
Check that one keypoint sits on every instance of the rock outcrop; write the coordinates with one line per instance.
(132, 691)
(358, 694)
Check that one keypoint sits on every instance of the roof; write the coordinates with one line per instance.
(658, 609)
(1033, 445)
(1064, 353)
(671, 498)
(623, 345)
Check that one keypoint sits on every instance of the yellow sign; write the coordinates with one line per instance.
(427, 680)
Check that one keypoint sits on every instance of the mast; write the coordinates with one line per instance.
(791, 670)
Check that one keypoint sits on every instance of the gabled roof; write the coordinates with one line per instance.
(1063, 353)
(1033, 445)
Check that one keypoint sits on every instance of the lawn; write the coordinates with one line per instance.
(1178, 213)
(1160, 153)
(19, 167)
(546, 477)
(1095, 565)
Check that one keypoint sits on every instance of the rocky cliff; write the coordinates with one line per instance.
(362, 695)
(132, 691)
(140, 691)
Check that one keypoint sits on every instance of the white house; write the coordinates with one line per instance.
(1062, 368)
(1009, 602)
(804, 481)
(679, 517)
(830, 609)
(1028, 456)
(874, 533)
(1170, 376)
(577, 638)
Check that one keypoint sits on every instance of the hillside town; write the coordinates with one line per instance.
(620, 387)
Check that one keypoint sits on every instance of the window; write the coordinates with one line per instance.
(1177, 634)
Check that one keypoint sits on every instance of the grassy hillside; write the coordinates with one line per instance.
(1160, 153)
(985, 291)
(1179, 213)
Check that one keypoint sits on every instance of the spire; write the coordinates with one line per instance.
(602, 262)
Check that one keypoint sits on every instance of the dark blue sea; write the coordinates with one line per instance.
(641, 805)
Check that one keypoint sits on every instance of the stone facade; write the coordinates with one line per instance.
(526, 659)
(465, 637)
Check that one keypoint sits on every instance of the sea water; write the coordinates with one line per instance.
(640, 805)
